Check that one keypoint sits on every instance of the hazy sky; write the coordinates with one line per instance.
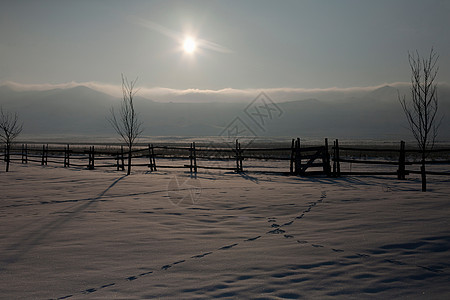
(241, 44)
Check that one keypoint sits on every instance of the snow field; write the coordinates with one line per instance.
(79, 234)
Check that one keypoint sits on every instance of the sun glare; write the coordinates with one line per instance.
(189, 45)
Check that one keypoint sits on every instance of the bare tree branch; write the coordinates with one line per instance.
(421, 110)
(10, 128)
(126, 122)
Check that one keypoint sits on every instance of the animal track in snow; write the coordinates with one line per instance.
(277, 230)
(201, 255)
(253, 239)
(227, 247)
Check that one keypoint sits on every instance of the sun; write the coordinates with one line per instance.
(189, 45)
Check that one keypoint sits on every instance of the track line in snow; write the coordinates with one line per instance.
(202, 255)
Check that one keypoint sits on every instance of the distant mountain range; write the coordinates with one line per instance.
(81, 111)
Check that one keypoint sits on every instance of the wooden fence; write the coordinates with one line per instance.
(398, 159)
(300, 160)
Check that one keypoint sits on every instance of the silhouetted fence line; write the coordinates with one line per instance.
(401, 162)
(300, 160)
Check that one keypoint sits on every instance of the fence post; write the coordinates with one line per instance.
(7, 156)
(150, 158)
(93, 157)
(291, 166)
(298, 158)
(91, 165)
(150, 165)
(334, 158)
(240, 158)
(195, 157)
(67, 156)
(153, 158)
(122, 159)
(326, 160)
(336, 162)
(89, 158)
(43, 155)
(44, 160)
(401, 174)
(237, 156)
(190, 158)
(117, 160)
(24, 153)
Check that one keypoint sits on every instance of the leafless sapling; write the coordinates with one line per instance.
(126, 122)
(10, 128)
(421, 110)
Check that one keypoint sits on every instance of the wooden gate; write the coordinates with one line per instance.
(309, 157)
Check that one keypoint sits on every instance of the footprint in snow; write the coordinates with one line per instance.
(277, 231)
(227, 247)
(393, 261)
(252, 239)
(179, 262)
(337, 250)
(431, 269)
(89, 291)
(362, 255)
(201, 255)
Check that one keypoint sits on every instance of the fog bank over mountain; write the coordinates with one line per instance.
(228, 95)
(345, 113)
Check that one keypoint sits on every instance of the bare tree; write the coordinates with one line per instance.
(126, 122)
(10, 128)
(421, 109)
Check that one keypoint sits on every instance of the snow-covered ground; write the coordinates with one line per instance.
(79, 234)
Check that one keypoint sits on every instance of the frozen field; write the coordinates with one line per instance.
(79, 234)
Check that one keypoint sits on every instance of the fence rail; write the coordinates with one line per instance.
(311, 160)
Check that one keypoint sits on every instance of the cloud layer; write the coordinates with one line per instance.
(231, 95)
